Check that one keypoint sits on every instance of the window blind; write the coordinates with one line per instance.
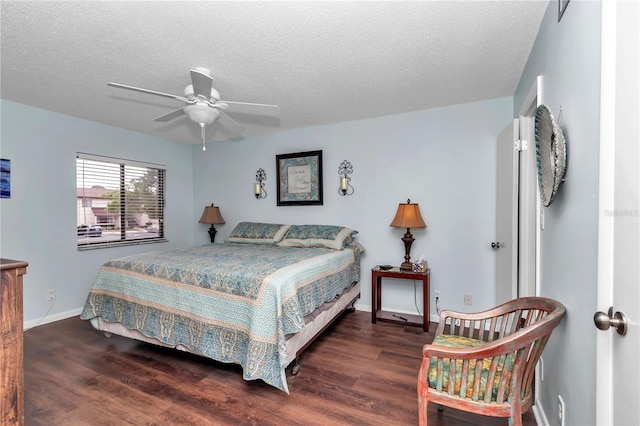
(118, 201)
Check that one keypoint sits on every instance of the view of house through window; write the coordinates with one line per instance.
(118, 201)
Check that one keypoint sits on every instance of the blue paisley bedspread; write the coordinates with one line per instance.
(233, 303)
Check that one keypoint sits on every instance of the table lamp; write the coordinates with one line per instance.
(408, 216)
(212, 215)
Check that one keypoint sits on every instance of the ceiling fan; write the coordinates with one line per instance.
(203, 104)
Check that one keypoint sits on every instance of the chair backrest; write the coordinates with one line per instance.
(504, 320)
(521, 326)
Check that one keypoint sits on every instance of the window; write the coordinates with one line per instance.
(118, 202)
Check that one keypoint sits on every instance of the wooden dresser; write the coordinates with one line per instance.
(11, 358)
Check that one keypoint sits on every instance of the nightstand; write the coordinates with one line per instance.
(377, 313)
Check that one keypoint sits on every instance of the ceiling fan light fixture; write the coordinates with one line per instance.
(202, 113)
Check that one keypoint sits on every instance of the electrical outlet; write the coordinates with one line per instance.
(561, 411)
(51, 295)
(437, 293)
(467, 299)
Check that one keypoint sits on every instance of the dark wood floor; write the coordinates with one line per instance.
(357, 373)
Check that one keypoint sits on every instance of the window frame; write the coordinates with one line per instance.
(124, 176)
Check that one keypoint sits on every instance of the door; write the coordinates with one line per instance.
(618, 369)
(506, 244)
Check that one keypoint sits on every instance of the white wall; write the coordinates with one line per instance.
(443, 159)
(38, 222)
(567, 55)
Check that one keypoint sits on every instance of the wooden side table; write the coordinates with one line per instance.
(376, 297)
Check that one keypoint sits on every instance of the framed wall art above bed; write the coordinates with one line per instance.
(299, 178)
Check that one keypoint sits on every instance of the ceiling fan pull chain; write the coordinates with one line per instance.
(204, 148)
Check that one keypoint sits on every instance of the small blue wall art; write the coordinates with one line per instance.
(5, 178)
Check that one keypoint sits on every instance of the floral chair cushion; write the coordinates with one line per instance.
(505, 364)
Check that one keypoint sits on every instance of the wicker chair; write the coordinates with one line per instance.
(484, 362)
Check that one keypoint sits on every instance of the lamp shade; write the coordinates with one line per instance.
(408, 216)
(211, 215)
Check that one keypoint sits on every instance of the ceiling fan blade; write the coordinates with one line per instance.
(201, 84)
(151, 92)
(170, 116)
(249, 108)
(231, 124)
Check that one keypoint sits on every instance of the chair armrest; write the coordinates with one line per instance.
(507, 344)
(524, 303)
(500, 321)
(503, 346)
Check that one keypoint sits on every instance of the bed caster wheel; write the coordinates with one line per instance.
(440, 408)
(351, 309)
(295, 369)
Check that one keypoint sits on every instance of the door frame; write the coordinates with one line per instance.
(530, 216)
(604, 341)
(530, 219)
(604, 297)
(527, 203)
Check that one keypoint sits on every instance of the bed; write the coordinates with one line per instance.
(257, 300)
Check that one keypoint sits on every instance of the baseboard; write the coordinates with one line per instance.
(538, 412)
(52, 318)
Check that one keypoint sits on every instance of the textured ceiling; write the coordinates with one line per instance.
(321, 62)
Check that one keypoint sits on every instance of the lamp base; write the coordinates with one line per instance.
(407, 239)
(212, 233)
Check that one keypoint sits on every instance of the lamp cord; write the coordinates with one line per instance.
(415, 297)
(42, 317)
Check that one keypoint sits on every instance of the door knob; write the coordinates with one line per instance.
(495, 245)
(604, 321)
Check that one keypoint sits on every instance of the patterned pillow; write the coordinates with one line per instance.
(258, 233)
(325, 236)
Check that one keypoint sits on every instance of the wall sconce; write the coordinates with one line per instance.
(344, 171)
(408, 216)
(258, 188)
(211, 215)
